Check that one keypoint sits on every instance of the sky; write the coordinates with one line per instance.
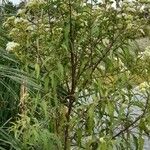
(16, 1)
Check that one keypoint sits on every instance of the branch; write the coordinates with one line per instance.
(108, 48)
(134, 122)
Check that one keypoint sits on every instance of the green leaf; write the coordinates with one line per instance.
(79, 136)
(46, 83)
(90, 119)
(103, 144)
(60, 70)
(110, 108)
(37, 70)
(140, 143)
(135, 139)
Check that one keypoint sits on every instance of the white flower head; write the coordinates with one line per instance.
(17, 20)
(11, 46)
(141, 55)
(14, 31)
(124, 105)
(105, 41)
(144, 86)
(145, 54)
(35, 3)
(11, 18)
(8, 21)
(20, 20)
(131, 9)
(21, 11)
(129, 26)
(128, 17)
(31, 28)
(147, 51)
(102, 67)
(119, 16)
(102, 140)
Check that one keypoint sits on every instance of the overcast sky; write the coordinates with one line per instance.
(16, 1)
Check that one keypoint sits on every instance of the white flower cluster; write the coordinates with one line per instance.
(8, 21)
(144, 86)
(105, 41)
(102, 67)
(11, 46)
(128, 19)
(21, 12)
(146, 54)
(31, 28)
(102, 140)
(15, 21)
(35, 3)
(14, 31)
(129, 6)
(130, 9)
(19, 20)
(120, 63)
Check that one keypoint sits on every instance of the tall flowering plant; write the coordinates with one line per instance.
(93, 75)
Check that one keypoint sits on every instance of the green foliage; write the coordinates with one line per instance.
(92, 73)
(9, 8)
(11, 77)
(7, 141)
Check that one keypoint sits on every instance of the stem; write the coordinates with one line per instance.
(71, 100)
(71, 96)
